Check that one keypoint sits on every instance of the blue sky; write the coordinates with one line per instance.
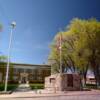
(38, 21)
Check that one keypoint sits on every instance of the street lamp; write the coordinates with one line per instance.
(13, 24)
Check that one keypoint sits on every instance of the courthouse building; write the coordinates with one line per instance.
(23, 73)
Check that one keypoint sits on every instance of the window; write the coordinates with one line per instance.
(40, 78)
(52, 80)
(29, 71)
(21, 70)
(31, 77)
(15, 71)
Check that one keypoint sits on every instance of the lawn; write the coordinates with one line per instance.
(37, 86)
(10, 87)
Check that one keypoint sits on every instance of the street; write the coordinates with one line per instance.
(81, 97)
(70, 95)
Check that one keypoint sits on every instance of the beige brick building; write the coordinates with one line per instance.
(22, 73)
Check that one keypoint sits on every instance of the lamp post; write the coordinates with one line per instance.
(13, 24)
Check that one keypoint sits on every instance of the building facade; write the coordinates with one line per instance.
(26, 73)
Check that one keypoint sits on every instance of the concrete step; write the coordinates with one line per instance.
(23, 88)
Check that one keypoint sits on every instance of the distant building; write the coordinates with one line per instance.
(23, 73)
(90, 79)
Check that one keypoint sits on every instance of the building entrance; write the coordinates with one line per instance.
(24, 78)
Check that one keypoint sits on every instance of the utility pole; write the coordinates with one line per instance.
(60, 48)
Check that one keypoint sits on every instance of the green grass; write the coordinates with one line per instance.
(10, 87)
(37, 86)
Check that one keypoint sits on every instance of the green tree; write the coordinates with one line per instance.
(80, 47)
(87, 48)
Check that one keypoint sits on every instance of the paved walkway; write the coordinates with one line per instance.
(45, 93)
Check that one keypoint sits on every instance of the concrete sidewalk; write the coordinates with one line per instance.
(45, 93)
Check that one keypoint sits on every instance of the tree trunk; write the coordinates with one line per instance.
(95, 67)
(85, 72)
(97, 75)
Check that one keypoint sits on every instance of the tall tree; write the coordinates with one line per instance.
(80, 47)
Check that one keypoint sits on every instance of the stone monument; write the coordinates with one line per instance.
(63, 82)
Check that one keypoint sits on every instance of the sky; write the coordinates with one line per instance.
(37, 22)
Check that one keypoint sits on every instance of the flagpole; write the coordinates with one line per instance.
(60, 54)
(13, 24)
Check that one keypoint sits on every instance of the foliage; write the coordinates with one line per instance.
(80, 47)
(3, 65)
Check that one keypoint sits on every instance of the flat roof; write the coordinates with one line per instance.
(39, 65)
